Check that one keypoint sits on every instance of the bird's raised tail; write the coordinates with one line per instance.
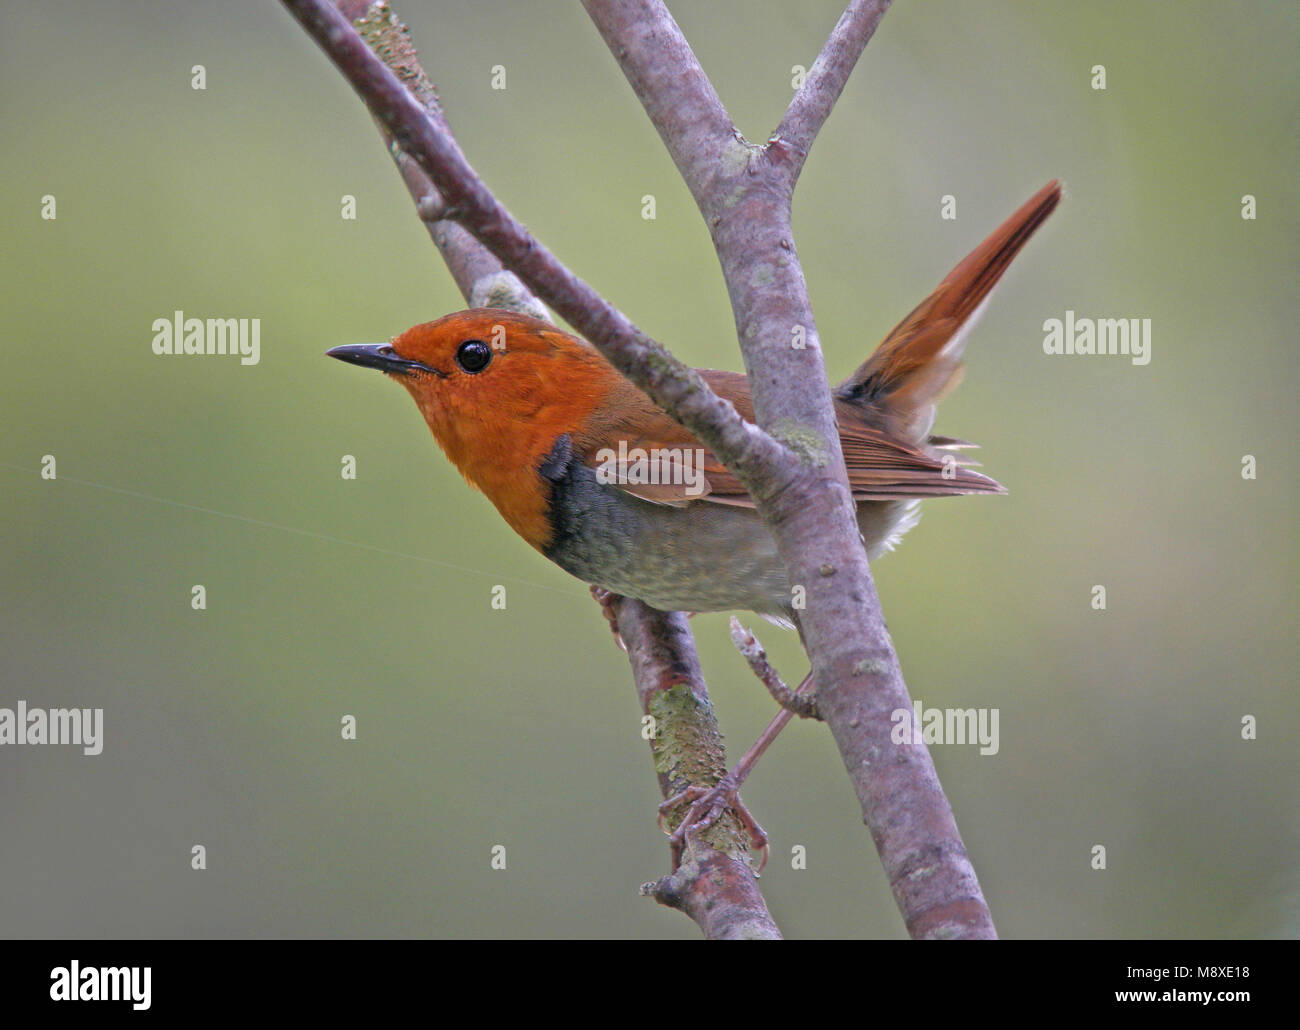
(898, 387)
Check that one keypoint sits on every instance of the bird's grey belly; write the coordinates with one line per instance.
(701, 557)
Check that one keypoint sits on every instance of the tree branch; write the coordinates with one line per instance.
(825, 81)
(675, 92)
(746, 204)
(715, 884)
(480, 276)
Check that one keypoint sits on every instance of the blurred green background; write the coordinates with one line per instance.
(520, 727)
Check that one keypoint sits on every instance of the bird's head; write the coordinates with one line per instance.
(497, 389)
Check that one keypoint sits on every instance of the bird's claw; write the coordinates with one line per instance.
(607, 599)
(705, 807)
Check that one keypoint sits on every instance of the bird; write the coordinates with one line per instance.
(590, 472)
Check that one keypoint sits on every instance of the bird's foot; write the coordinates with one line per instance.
(607, 600)
(706, 806)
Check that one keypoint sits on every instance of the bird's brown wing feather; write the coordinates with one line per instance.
(879, 468)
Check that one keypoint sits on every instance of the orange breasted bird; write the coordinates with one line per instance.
(591, 473)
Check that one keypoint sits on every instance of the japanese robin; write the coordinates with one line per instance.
(590, 472)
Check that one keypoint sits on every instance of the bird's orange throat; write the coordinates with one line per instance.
(493, 460)
(499, 446)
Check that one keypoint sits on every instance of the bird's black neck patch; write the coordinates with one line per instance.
(555, 466)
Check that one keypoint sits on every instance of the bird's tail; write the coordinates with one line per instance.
(920, 360)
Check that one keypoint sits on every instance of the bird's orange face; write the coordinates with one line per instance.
(497, 389)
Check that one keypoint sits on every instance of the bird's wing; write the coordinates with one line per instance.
(648, 454)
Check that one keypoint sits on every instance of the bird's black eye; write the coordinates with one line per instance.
(473, 355)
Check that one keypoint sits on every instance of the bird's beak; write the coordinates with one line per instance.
(380, 356)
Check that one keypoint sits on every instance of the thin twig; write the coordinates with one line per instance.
(803, 705)
(825, 80)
